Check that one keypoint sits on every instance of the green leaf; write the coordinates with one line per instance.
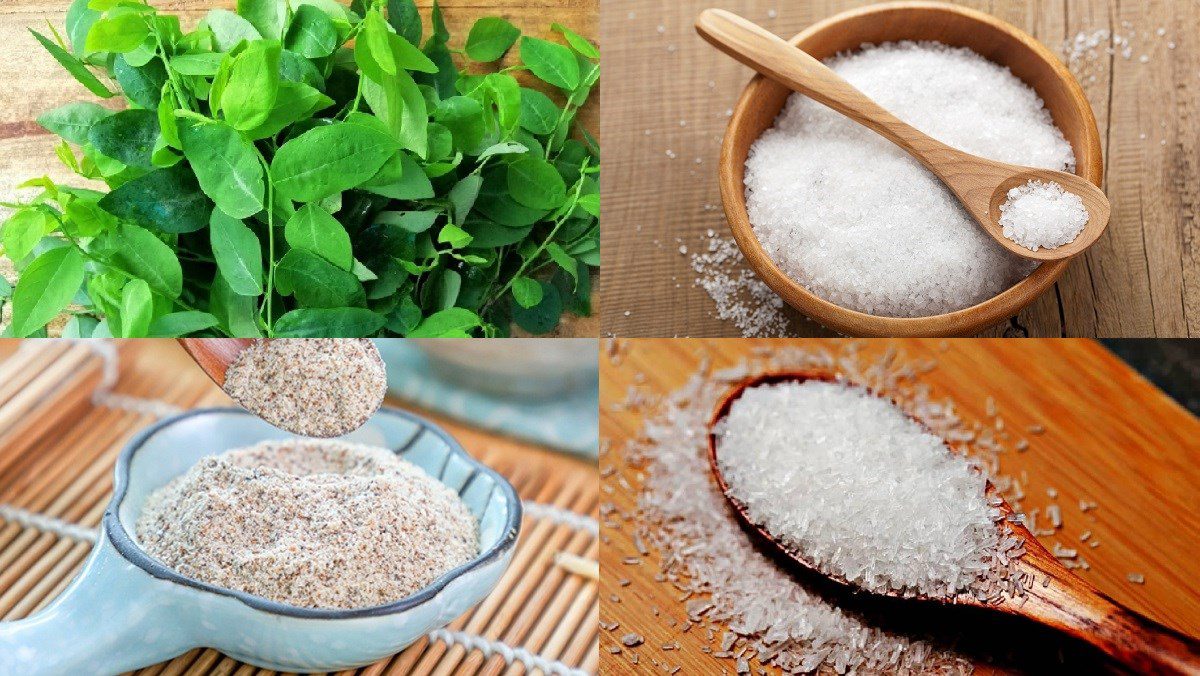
(237, 314)
(169, 200)
(311, 33)
(506, 148)
(202, 64)
(79, 21)
(45, 289)
(542, 317)
(296, 101)
(227, 166)
(73, 120)
(507, 96)
(463, 116)
(313, 229)
(179, 324)
(535, 183)
(405, 317)
(117, 33)
(490, 38)
(74, 66)
(344, 322)
(229, 29)
(372, 50)
(143, 84)
(85, 218)
(402, 179)
(23, 230)
(137, 252)
(238, 253)
(137, 308)
(127, 136)
(253, 84)
(563, 259)
(551, 62)
(399, 103)
(455, 236)
(410, 221)
(451, 323)
(330, 159)
(403, 16)
(577, 41)
(316, 282)
(463, 195)
(527, 292)
(267, 16)
(168, 124)
(488, 234)
(539, 115)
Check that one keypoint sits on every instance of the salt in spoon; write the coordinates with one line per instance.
(981, 185)
(1065, 603)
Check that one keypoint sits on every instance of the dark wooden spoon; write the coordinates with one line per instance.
(1066, 602)
(214, 355)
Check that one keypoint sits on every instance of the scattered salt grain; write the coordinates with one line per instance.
(858, 474)
(860, 222)
(740, 296)
(311, 523)
(1042, 215)
(1136, 578)
(317, 387)
(632, 640)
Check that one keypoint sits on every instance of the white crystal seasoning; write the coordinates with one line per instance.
(859, 222)
(317, 387)
(859, 489)
(309, 522)
(1042, 215)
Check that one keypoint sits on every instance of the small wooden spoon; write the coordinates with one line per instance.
(981, 184)
(1067, 603)
(214, 355)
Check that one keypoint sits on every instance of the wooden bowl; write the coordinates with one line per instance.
(763, 99)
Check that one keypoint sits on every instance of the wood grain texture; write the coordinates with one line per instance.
(31, 82)
(670, 91)
(1110, 437)
(65, 471)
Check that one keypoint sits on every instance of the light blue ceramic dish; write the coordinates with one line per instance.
(126, 610)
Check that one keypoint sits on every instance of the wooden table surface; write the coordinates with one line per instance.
(668, 90)
(1110, 437)
(31, 82)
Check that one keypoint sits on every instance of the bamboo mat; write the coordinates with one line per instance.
(57, 449)
(1095, 430)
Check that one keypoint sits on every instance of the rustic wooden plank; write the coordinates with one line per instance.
(1110, 437)
(1141, 279)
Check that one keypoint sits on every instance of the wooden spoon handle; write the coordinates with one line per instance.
(787, 64)
(1146, 646)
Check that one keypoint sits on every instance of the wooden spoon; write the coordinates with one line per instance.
(1067, 603)
(981, 184)
(214, 355)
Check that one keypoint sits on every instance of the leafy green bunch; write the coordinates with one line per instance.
(300, 168)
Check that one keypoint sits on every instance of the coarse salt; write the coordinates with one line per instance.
(861, 223)
(1042, 215)
(857, 488)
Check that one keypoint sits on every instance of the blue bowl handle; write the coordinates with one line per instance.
(114, 617)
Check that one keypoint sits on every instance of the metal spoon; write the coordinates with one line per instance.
(1066, 602)
(981, 185)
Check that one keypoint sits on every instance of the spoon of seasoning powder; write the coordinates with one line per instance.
(983, 186)
(316, 387)
(846, 485)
